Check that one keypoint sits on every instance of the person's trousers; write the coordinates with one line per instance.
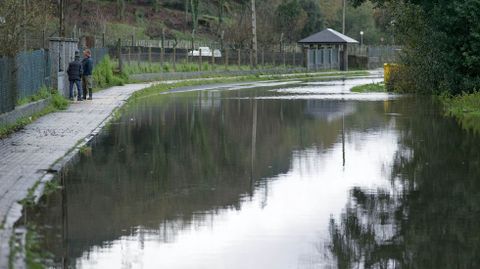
(79, 89)
(87, 86)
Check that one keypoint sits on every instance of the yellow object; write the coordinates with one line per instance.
(389, 71)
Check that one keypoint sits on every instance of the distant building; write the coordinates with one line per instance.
(327, 50)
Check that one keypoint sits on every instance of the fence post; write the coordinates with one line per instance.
(200, 60)
(226, 59)
(294, 55)
(129, 55)
(239, 58)
(274, 55)
(162, 56)
(174, 59)
(251, 58)
(119, 54)
(263, 57)
(213, 60)
(284, 58)
(150, 55)
(103, 40)
(139, 57)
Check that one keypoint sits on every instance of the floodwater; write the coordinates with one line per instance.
(301, 175)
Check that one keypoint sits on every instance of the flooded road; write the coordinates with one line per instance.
(299, 175)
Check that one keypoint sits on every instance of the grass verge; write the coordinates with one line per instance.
(57, 102)
(465, 108)
(371, 87)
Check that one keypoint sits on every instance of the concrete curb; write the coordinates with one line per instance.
(23, 111)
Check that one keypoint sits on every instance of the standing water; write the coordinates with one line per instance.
(280, 176)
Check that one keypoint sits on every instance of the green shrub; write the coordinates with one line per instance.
(59, 102)
(104, 74)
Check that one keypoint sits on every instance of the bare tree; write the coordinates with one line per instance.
(14, 28)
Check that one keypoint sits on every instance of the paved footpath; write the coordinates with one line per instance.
(26, 156)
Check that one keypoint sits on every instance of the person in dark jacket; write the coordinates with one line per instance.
(75, 72)
(87, 83)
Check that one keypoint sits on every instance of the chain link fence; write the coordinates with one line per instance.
(28, 72)
(7, 96)
(32, 73)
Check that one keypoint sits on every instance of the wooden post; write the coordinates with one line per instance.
(200, 60)
(119, 55)
(150, 55)
(129, 55)
(139, 57)
(103, 40)
(213, 59)
(226, 59)
(174, 59)
(239, 58)
(294, 55)
(274, 55)
(251, 58)
(263, 57)
(284, 58)
(162, 56)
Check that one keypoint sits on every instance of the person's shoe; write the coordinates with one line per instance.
(89, 98)
(79, 99)
(72, 99)
(84, 98)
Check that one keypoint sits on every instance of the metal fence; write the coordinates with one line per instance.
(376, 55)
(226, 57)
(32, 73)
(7, 99)
(25, 74)
(98, 54)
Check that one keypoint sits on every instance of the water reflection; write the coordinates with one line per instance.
(220, 180)
(428, 217)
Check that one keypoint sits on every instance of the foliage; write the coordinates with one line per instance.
(465, 108)
(13, 27)
(372, 87)
(104, 74)
(441, 42)
(42, 93)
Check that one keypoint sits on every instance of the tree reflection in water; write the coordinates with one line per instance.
(429, 217)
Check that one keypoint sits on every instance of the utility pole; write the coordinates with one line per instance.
(254, 34)
(343, 17)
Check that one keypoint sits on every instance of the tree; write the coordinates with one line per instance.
(441, 41)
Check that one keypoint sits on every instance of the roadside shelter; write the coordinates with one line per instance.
(327, 49)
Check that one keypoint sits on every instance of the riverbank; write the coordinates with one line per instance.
(371, 87)
(465, 108)
(33, 156)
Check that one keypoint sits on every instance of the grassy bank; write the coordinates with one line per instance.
(372, 87)
(465, 108)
